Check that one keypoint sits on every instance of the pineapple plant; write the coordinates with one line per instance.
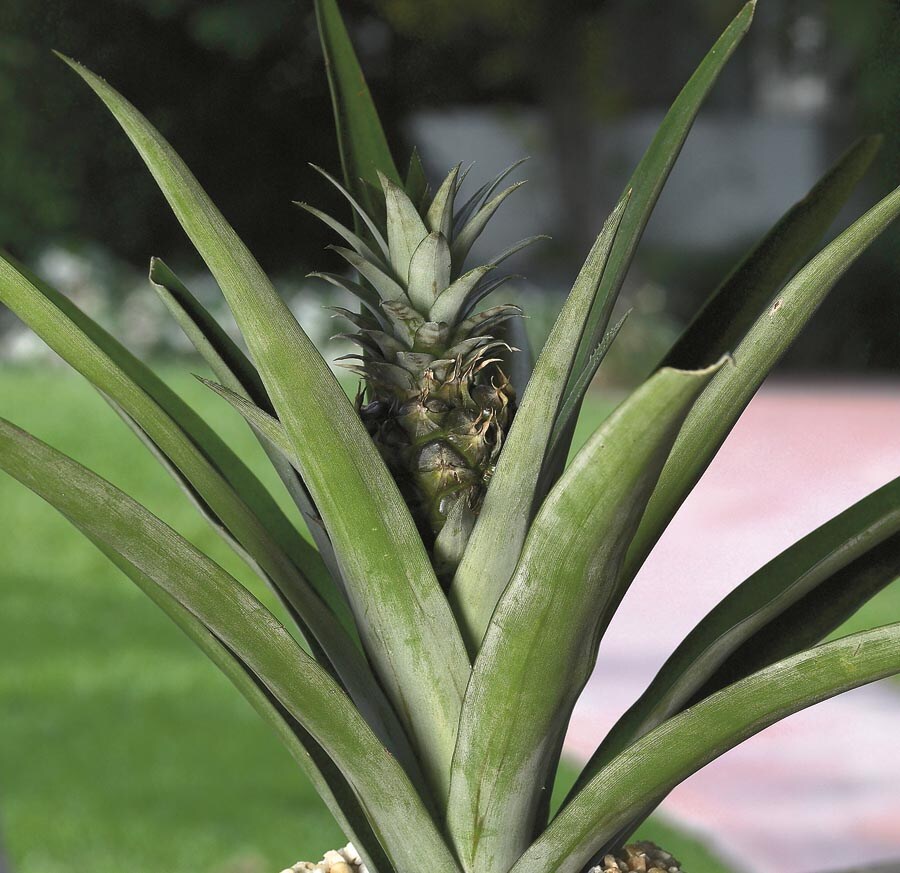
(436, 401)
(438, 625)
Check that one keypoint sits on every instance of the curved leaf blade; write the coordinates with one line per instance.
(403, 617)
(813, 617)
(429, 271)
(59, 322)
(791, 603)
(439, 215)
(45, 311)
(479, 199)
(467, 235)
(405, 228)
(729, 393)
(135, 389)
(213, 344)
(499, 533)
(355, 242)
(363, 145)
(385, 287)
(522, 690)
(327, 780)
(416, 182)
(649, 769)
(650, 176)
(360, 216)
(567, 419)
(235, 370)
(246, 627)
(266, 423)
(735, 305)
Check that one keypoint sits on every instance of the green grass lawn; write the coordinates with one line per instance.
(121, 747)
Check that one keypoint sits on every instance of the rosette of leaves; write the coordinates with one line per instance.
(430, 716)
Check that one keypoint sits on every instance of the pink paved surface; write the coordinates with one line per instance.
(821, 790)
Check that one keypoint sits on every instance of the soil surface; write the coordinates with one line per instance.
(821, 790)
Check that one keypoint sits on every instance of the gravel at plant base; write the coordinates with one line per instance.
(344, 860)
(819, 791)
(640, 857)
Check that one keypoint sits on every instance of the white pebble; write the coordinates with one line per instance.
(349, 852)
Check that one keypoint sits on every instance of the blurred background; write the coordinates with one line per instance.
(577, 85)
(105, 714)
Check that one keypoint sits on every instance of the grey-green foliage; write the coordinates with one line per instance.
(432, 722)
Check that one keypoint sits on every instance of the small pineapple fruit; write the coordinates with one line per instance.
(435, 400)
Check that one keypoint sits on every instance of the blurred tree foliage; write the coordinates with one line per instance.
(238, 86)
(862, 328)
(576, 60)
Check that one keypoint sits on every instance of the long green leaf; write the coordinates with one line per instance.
(260, 420)
(735, 305)
(403, 617)
(247, 628)
(65, 327)
(232, 367)
(729, 393)
(503, 522)
(235, 370)
(518, 358)
(650, 768)
(792, 602)
(542, 641)
(363, 146)
(813, 617)
(567, 419)
(152, 406)
(45, 312)
(193, 495)
(327, 780)
(650, 176)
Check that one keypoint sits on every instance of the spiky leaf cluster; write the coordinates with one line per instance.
(431, 722)
(436, 398)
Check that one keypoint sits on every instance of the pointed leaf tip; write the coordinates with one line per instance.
(65, 58)
(361, 138)
(650, 176)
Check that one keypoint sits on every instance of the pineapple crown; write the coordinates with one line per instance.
(439, 401)
(418, 302)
